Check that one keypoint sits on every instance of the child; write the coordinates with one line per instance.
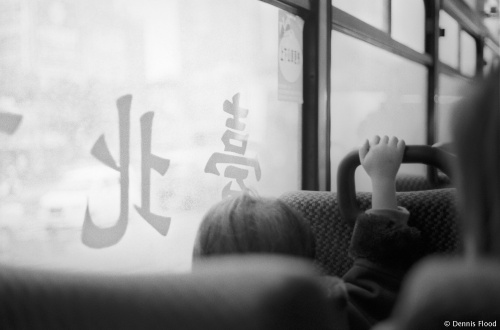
(381, 245)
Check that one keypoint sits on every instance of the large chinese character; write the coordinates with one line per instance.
(92, 235)
(220, 158)
(96, 237)
(9, 122)
(235, 143)
(148, 162)
(237, 112)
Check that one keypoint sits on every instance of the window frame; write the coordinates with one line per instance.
(320, 18)
(468, 20)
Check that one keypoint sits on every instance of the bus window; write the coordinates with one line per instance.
(373, 12)
(490, 60)
(448, 44)
(451, 91)
(373, 92)
(408, 23)
(471, 3)
(468, 54)
(491, 21)
(137, 116)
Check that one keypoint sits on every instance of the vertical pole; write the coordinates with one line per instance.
(432, 8)
(324, 67)
(310, 165)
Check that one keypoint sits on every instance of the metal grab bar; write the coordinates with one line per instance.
(414, 154)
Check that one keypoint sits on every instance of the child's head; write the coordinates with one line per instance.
(248, 224)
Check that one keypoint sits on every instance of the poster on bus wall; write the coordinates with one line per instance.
(290, 57)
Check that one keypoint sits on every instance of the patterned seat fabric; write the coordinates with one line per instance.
(417, 182)
(431, 211)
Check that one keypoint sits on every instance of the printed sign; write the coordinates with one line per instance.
(290, 57)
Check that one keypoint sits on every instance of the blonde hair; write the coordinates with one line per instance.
(250, 224)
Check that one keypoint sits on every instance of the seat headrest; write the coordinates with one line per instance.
(465, 294)
(230, 293)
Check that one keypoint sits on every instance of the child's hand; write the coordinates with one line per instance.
(381, 158)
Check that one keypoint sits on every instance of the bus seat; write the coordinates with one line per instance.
(227, 293)
(332, 215)
(441, 293)
(320, 209)
(432, 211)
(409, 182)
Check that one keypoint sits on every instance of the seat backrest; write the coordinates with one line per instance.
(445, 293)
(332, 215)
(229, 293)
(410, 182)
(431, 211)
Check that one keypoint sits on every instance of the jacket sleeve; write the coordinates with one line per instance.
(383, 248)
(382, 237)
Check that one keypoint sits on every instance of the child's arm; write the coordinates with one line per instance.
(381, 158)
(383, 246)
(382, 234)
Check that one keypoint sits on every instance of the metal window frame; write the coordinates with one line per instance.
(316, 109)
(320, 18)
(310, 112)
(468, 19)
(493, 46)
(324, 88)
(432, 34)
(296, 7)
(354, 27)
(314, 131)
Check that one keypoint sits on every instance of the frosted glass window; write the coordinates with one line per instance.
(150, 117)
(489, 59)
(493, 25)
(492, 20)
(471, 3)
(468, 54)
(373, 12)
(451, 92)
(448, 44)
(408, 23)
(374, 92)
